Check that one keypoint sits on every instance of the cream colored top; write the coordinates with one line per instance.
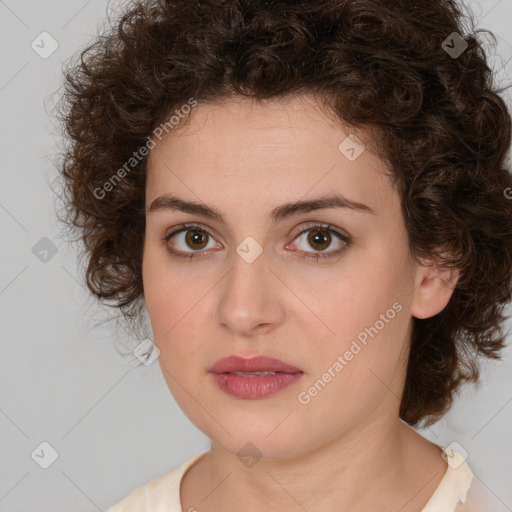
(451, 495)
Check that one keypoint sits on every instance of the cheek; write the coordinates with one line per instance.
(174, 308)
(353, 300)
(366, 314)
(350, 378)
(167, 293)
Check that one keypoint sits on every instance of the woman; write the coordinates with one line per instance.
(309, 200)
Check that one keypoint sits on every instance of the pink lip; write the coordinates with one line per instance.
(255, 364)
(258, 386)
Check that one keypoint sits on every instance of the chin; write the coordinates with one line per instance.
(250, 438)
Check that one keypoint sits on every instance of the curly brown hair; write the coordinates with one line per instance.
(395, 68)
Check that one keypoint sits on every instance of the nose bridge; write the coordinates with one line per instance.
(247, 277)
(246, 300)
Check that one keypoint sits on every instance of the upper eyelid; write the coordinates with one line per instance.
(186, 227)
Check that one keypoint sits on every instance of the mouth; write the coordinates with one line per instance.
(254, 378)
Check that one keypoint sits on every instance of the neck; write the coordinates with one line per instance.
(385, 465)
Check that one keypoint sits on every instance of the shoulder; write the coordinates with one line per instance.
(162, 493)
(461, 490)
(454, 485)
(481, 498)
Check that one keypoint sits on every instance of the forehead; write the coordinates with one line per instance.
(243, 123)
(271, 151)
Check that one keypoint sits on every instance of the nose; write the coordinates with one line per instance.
(251, 299)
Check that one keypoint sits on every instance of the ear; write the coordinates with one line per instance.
(434, 285)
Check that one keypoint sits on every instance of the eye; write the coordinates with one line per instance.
(320, 237)
(196, 236)
(192, 236)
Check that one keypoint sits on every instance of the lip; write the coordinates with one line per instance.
(254, 387)
(255, 364)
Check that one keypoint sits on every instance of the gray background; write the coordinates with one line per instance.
(115, 426)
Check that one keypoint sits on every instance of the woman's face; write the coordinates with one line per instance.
(256, 286)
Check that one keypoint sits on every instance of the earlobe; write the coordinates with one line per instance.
(433, 289)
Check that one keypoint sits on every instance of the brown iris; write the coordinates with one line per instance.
(323, 239)
(193, 237)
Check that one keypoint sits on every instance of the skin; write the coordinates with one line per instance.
(346, 449)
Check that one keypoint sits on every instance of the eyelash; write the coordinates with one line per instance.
(309, 227)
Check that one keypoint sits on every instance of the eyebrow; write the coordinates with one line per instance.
(173, 203)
